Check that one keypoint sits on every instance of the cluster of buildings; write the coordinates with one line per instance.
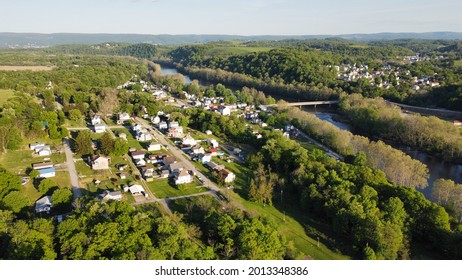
(167, 167)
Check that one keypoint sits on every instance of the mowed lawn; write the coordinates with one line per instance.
(5, 94)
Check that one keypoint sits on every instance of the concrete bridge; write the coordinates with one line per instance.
(308, 103)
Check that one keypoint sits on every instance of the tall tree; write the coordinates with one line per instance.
(83, 143)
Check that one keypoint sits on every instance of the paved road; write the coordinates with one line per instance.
(328, 151)
(71, 169)
(187, 164)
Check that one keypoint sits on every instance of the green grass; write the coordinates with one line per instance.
(5, 94)
(163, 188)
(458, 63)
(291, 229)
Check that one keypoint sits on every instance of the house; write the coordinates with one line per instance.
(189, 141)
(168, 160)
(155, 120)
(175, 132)
(115, 195)
(228, 175)
(197, 150)
(44, 204)
(457, 123)
(144, 136)
(176, 167)
(214, 143)
(183, 178)
(162, 125)
(213, 152)
(99, 128)
(225, 111)
(164, 173)
(208, 132)
(47, 172)
(206, 158)
(121, 166)
(123, 117)
(214, 166)
(42, 165)
(137, 154)
(44, 150)
(123, 136)
(122, 175)
(136, 189)
(173, 125)
(140, 162)
(100, 162)
(154, 147)
(96, 119)
(35, 146)
(137, 127)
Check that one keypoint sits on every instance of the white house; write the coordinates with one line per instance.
(155, 120)
(115, 195)
(44, 204)
(140, 162)
(47, 172)
(144, 136)
(122, 117)
(183, 178)
(154, 147)
(214, 143)
(43, 151)
(163, 125)
(42, 165)
(208, 132)
(173, 125)
(206, 158)
(96, 119)
(225, 111)
(99, 128)
(100, 162)
(137, 189)
(34, 146)
(138, 154)
(123, 136)
(228, 175)
(198, 149)
(189, 141)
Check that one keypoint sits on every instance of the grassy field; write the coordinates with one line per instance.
(5, 94)
(132, 142)
(163, 188)
(458, 63)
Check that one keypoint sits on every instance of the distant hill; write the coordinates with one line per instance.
(33, 40)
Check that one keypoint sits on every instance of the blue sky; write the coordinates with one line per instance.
(236, 17)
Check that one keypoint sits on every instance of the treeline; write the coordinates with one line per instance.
(375, 117)
(116, 230)
(142, 50)
(398, 167)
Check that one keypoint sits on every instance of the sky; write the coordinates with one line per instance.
(233, 17)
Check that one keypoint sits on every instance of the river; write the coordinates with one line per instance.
(437, 168)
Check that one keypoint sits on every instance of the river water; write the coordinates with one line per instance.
(437, 168)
